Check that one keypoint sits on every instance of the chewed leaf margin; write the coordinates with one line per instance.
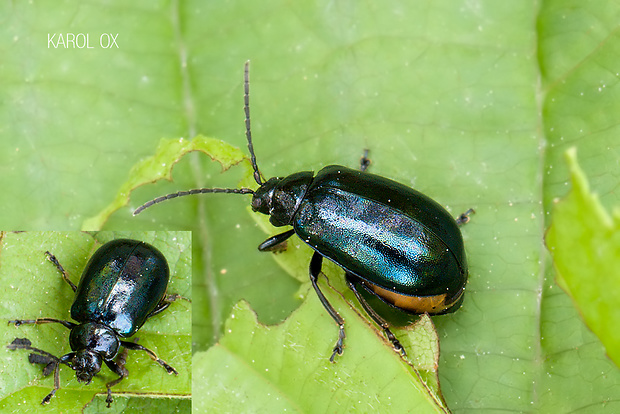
(160, 165)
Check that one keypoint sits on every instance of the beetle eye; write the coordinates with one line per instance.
(261, 203)
(256, 203)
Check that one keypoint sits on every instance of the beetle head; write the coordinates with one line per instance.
(280, 197)
(262, 199)
(86, 365)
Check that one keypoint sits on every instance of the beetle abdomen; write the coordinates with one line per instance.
(380, 242)
(121, 285)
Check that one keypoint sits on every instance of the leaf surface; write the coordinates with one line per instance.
(472, 103)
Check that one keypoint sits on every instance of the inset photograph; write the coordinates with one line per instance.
(96, 321)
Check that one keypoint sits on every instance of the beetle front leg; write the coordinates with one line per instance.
(62, 360)
(137, 347)
(315, 269)
(352, 281)
(118, 367)
(42, 357)
(48, 362)
(274, 242)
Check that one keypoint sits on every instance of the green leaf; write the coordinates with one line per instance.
(472, 103)
(36, 289)
(585, 244)
(245, 362)
(160, 165)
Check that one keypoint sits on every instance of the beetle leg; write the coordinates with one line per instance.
(137, 347)
(163, 305)
(40, 356)
(273, 242)
(172, 297)
(49, 396)
(39, 321)
(49, 363)
(61, 360)
(61, 269)
(165, 302)
(464, 218)
(315, 270)
(364, 161)
(118, 367)
(352, 281)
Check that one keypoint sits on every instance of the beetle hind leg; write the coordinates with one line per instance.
(464, 218)
(315, 269)
(353, 282)
(364, 161)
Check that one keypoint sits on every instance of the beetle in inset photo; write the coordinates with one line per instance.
(124, 283)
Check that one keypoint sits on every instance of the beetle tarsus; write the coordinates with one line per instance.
(395, 342)
(364, 161)
(48, 397)
(464, 218)
(170, 369)
(339, 348)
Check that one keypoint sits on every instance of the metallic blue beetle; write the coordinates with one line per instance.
(392, 241)
(123, 284)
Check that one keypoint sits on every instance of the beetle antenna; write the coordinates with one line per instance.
(248, 131)
(191, 192)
